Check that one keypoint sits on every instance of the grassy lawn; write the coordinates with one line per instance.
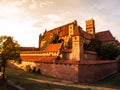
(34, 81)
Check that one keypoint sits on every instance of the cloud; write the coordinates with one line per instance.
(31, 17)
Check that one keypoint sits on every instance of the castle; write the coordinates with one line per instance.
(61, 54)
(72, 37)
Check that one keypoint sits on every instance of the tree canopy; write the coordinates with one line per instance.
(94, 45)
(9, 50)
(109, 52)
(104, 51)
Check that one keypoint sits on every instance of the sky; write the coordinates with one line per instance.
(26, 19)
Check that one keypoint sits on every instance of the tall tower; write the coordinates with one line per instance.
(90, 27)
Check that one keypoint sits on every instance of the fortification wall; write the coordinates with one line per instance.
(96, 70)
(63, 71)
(84, 71)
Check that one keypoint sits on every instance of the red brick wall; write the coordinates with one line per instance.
(91, 72)
(84, 71)
(63, 71)
(90, 55)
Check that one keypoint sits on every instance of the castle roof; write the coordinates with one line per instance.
(53, 47)
(39, 58)
(61, 31)
(105, 36)
(50, 48)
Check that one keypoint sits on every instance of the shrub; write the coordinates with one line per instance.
(28, 69)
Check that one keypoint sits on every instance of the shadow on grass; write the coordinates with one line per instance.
(111, 82)
(5, 86)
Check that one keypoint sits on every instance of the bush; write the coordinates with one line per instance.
(28, 69)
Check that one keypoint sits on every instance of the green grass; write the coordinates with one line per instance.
(34, 81)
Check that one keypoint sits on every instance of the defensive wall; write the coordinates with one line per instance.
(84, 71)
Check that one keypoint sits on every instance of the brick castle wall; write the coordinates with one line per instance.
(63, 71)
(84, 71)
(94, 71)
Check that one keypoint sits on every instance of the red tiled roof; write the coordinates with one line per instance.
(53, 47)
(39, 58)
(105, 36)
(61, 31)
(50, 48)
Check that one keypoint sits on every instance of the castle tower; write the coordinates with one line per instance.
(77, 48)
(90, 27)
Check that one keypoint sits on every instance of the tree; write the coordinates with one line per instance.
(55, 39)
(94, 45)
(104, 51)
(109, 52)
(9, 50)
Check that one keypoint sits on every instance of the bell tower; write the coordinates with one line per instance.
(90, 27)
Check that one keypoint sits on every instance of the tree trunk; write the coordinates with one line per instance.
(4, 66)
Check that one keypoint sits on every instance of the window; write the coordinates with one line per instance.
(75, 38)
(70, 27)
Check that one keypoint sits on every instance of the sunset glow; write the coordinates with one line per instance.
(26, 19)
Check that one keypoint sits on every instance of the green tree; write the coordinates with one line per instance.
(94, 45)
(9, 50)
(55, 39)
(108, 52)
